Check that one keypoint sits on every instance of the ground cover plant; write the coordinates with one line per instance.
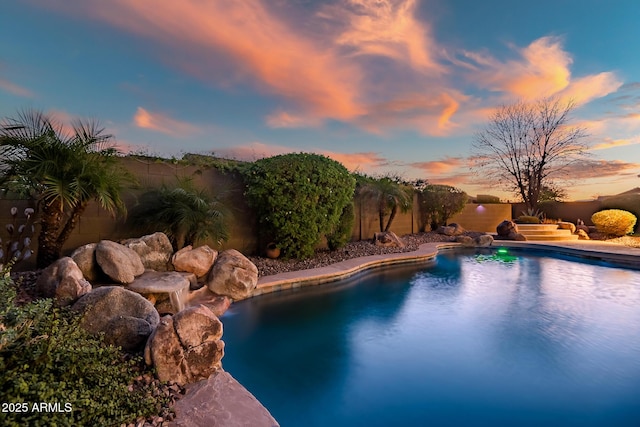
(298, 198)
(45, 357)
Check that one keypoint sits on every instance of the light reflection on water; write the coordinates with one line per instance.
(483, 339)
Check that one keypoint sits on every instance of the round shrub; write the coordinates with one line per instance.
(298, 199)
(614, 222)
(342, 232)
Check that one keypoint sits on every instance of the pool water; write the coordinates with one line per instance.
(473, 340)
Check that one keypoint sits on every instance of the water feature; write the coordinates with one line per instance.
(473, 340)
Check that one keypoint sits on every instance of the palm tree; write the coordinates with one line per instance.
(388, 194)
(183, 212)
(62, 172)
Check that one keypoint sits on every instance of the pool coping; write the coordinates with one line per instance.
(609, 252)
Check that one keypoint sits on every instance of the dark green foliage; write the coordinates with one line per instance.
(625, 202)
(186, 214)
(487, 199)
(389, 194)
(298, 199)
(61, 172)
(46, 357)
(527, 219)
(341, 235)
(438, 203)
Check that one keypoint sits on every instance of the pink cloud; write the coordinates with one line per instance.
(613, 143)
(162, 123)
(282, 119)
(386, 28)
(440, 166)
(15, 89)
(542, 69)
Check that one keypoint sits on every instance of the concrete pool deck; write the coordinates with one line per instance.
(222, 401)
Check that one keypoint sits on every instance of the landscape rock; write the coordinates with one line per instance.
(452, 229)
(170, 288)
(125, 317)
(484, 240)
(582, 235)
(232, 275)
(218, 304)
(387, 239)
(62, 281)
(154, 250)
(186, 347)
(465, 241)
(197, 261)
(118, 262)
(508, 230)
(563, 225)
(85, 258)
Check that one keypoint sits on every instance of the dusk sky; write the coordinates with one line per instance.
(383, 86)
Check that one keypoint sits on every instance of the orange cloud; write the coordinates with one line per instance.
(282, 119)
(244, 39)
(162, 123)
(613, 143)
(386, 28)
(542, 70)
(601, 169)
(14, 89)
(440, 166)
(363, 162)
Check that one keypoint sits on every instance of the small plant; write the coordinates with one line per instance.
(16, 247)
(186, 214)
(526, 219)
(534, 212)
(614, 222)
(46, 357)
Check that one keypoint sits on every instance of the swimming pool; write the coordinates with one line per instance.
(474, 339)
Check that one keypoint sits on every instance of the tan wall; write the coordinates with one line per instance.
(567, 211)
(482, 217)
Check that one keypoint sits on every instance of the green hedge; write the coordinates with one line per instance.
(298, 198)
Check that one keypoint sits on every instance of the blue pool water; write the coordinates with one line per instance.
(472, 340)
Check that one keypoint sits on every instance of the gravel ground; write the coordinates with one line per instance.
(324, 257)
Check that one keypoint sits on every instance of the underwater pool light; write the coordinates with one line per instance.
(503, 251)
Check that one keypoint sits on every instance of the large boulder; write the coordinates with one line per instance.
(154, 250)
(125, 317)
(218, 304)
(232, 275)
(484, 240)
(508, 230)
(197, 261)
(387, 239)
(465, 241)
(118, 262)
(62, 281)
(85, 258)
(186, 347)
(167, 290)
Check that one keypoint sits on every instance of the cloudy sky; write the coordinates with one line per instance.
(383, 86)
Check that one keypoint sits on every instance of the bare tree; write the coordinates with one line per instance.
(525, 145)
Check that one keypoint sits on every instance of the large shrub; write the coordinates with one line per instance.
(438, 203)
(46, 357)
(298, 199)
(614, 222)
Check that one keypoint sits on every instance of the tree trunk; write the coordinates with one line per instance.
(394, 211)
(48, 247)
(381, 216)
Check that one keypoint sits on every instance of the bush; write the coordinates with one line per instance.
(527, 219)
(298, 199)
(185, 213)
(614, 222)
(46, 357)
(625, 202)
(438, 203)
(341, 235)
